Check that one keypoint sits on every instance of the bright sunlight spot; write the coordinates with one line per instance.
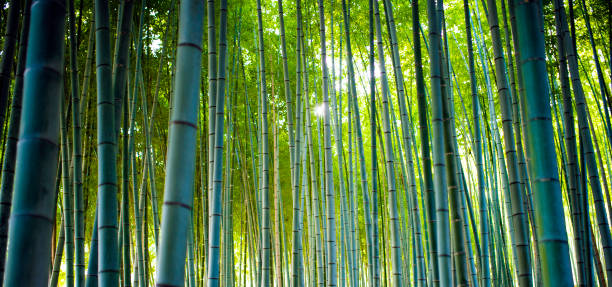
(319, 110)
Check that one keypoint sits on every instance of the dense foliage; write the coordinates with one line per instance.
(306, 143)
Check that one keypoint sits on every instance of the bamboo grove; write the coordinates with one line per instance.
(305, 143)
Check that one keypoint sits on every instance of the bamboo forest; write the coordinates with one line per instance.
(336, 143)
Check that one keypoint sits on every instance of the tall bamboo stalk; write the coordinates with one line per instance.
(77, 170)
(375, 265)
(353, 105)
(8, 55)
(67, 193)
(390, 159)
(595, 183)
(519, 219)
(33, 201)
(119, 87)
(178, 195)
(296, 157)
(484, 232)
(430, 214)
(263, 156)
(108, 255)
(539, 138)
(441, 197)
(286, 83)
(91, 277)
(10, 149)
(215, 210)
(572, 170)
(57, 257)
(329, 179)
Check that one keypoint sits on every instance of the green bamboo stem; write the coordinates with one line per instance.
(519, 220)
(351, 187)
(91, 276)
(178, 195)
(484, 232)
(227, 262)
(329, 183)
(345, 243)
(595, 184)
(125, 218)
(86, 80)
(519, 113)
(495, 148)
(33, 201)
(68, 196)
(319, 248)
(150, 150)
(297, 275)
(375, 265)
(572, 159)
(8, 55)
(538, 130)
(441, 198)
(430, 214)
(277, 203)
(136, 190)
(212, 98)
(190, 258)
(407, 136)
(57, 257)
(286, 84)
(216, 194)
(77, 177)
(119, 84)
(108, 261)
(605, 93)
(359, 137)
(390, 159)
(452, 165)
(10, 149)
